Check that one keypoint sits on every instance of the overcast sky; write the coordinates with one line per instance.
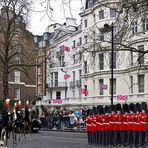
(39, 20)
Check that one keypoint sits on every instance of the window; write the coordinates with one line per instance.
(85, 23)
(101, 14)
(141, 83)
(131, 79)
(140, 54)
(134, 27)
(112, 12)
(80, 57)
(80, 41)
(17, 60)
(73, 93)
(45, 36)
(18, 48)
(101, 82)
(17, 93)
(101, 61)
(114, 86)
(85, 87)
(56, 78)
(73, 73)
(74, 44)
(145, 24)
(74, 59)
(85, 39)
(114, 60)
(131, 58)
(85, 66)
(17, 76)
(58, 95)
(80, 73)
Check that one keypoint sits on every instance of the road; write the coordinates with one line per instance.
(53, 139)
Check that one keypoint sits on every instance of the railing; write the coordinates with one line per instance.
(72, 84)
(58, 84)
(76, 83)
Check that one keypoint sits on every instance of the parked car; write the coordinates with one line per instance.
(36, 125)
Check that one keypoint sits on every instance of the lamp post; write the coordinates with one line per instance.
(110, 28)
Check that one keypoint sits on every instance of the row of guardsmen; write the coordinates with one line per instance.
(118, 125)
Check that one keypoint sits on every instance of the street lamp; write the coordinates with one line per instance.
(110, 28)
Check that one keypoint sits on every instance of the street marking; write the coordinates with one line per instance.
(49, 137)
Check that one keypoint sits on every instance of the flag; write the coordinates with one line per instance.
(58, 101)
(84, 91)
(66, 48)
(103, 86)
(124, 97)
(66, 76)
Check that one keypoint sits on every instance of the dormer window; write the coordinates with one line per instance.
(85, 23)
(145, 24)
(134, 27)
(112, 12)
(101, 14)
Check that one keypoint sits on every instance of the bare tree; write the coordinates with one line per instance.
(16, 44)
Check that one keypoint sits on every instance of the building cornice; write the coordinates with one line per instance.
(141, 69)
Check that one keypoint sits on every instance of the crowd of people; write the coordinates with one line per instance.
(65, 118)
(118, 125)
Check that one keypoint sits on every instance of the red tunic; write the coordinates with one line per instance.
(143, 121)
(136, 122)
(118, 122)
(125, 122)
(130, 121)
(112, 122)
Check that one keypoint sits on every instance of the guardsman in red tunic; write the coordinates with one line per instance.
(130, 124)
(112, 125)
(147, 128)
(118, 125)
(106, 125)
(143, 123)
(136, 124)
(125, 124)
(94, 125)
(101, 121)
(98, 127)
(88, 128)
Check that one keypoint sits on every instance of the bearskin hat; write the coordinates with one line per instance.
(118, 107)
(143, 106)
(132, 107)
(125, 108)
(98, 107)
(89, 112)
(94, 110)
(113, 108)
(137, 107)
(107, 109)
(101, 110)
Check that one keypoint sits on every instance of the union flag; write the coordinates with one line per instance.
(66, 76)
(65, 48)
